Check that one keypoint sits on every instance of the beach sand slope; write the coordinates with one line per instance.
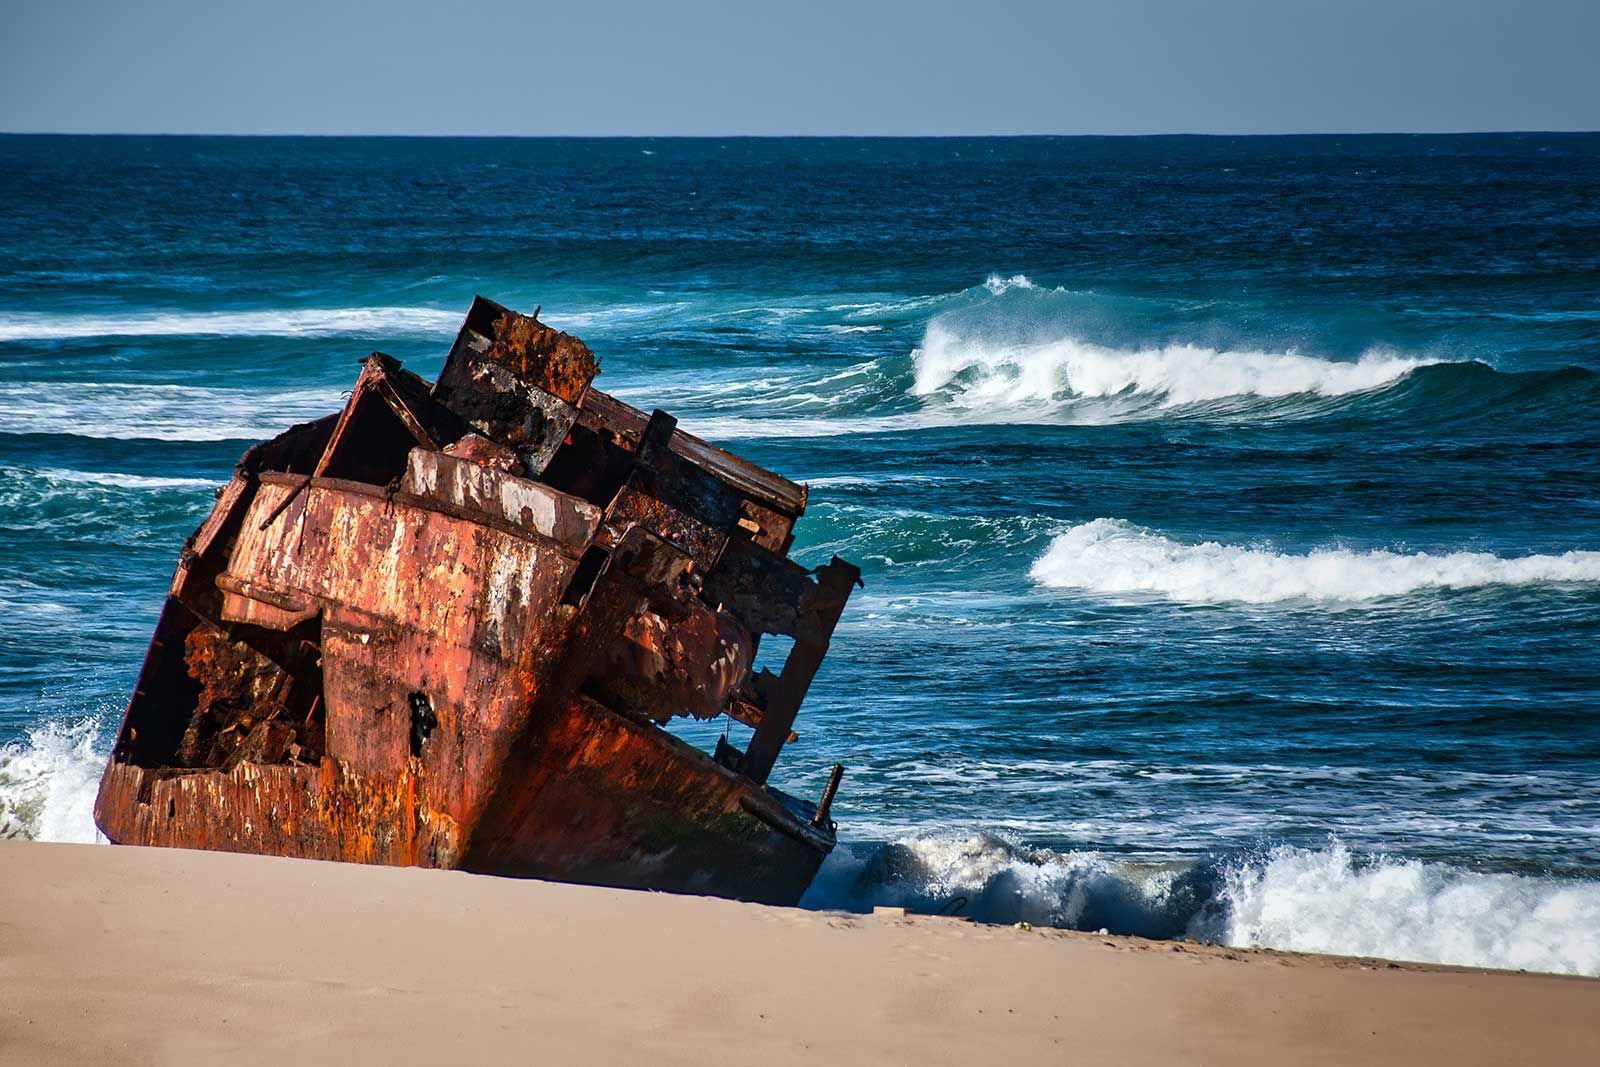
(132, 955)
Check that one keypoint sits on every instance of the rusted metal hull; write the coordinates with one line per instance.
(442, 629)
(607, 801)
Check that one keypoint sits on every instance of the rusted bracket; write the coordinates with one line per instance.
(749, 714)
(288, 499)
(403, 412)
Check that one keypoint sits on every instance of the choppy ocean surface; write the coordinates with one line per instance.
(1229, 508)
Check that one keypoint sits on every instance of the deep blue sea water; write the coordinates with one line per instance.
(1229, 508)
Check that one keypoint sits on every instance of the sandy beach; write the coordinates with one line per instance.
(134, 955)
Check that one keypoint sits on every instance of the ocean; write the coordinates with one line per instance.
(1229, 508)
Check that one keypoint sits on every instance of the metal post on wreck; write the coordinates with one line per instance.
(825, 805)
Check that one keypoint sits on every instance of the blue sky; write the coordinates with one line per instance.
(821, 67)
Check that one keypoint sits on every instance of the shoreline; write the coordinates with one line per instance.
(161, 956)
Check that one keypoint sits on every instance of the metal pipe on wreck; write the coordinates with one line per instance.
(826, 803)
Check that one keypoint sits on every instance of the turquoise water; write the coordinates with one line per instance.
(1229, 508)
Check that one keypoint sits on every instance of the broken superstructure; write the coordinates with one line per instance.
(444, 626)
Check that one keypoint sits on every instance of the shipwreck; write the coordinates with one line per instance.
(446, 627)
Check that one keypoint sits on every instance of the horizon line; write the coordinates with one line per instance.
(800, 136)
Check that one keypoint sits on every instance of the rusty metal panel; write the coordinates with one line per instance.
(389, 410)
(673, 499)
(516, 380)
(769, 593)
(520, 501)
(244, 601)
(656, 813)
(464, 584)
(770, 529)
(396, 698)
(761, 485)
(692, 665)
(327, 812)
(441, 621)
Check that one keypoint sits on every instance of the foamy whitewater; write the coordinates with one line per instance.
(288, 322)
(1117, 558)
(1326, 899)
(48, 783)
(976, 373)
(960, 376)
(1228, 508)
(163, 412)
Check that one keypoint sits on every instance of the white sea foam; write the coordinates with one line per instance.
(875, 308)
(834, 481)
(996, 284)
(297, 322)
(124, 411)
(1325, 900)
(961, 380)
(601, 316)
(1109, 556)
(48, 782)
(990, 879)
(120, 480)
(1328, 900)
(735, 427)
(976, 372)
(272, 322)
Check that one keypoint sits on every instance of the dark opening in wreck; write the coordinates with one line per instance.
(444, 627)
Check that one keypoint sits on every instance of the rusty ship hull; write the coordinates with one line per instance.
(445, 627)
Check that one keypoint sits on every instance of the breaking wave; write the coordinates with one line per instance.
(1327, 900)
(300, 322)
(974, 372)
(1110, 556)
(48, 782)
(1010, 351)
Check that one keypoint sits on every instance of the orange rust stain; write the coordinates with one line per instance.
(558, 362)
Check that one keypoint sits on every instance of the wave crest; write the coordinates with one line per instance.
(1110, 556)
(974, 372)
(992, 880)
(1327, 900)
(997, 284)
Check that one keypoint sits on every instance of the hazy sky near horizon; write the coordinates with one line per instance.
(821, 67)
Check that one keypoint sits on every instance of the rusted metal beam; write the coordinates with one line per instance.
(762, 486)
(834, 582)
